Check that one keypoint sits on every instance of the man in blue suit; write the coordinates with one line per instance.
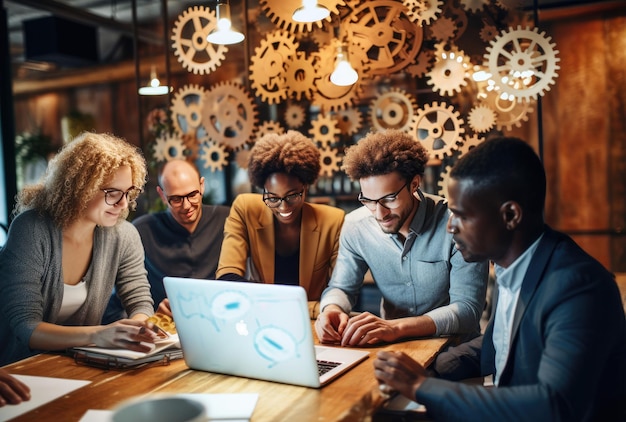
(556, 345)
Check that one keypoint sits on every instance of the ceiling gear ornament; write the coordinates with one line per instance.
(330, 161)
(229, 114)
(450, 72)
(439, 128)
(168, 147)
(281, 12)
(268, 66)
(300, 76)
(523, 62)
(481, 118)
(190, 45)
(213, 155)
(324, 130)
(424, 12)
(268, 127)
(393, 109)
(327, 95)
(384, 31)
(469, 142)
(349, 121)
(295, 115)
(186, 110)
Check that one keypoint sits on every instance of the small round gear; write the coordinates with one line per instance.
(423, 11)
(449, 73)
(393, 109)
(423, 63)
(190, 45)
(443, 29)
(474, 5)
(384, 31)
(295, 116)
(214, 156)
(469, 142)
(168, 147)
(488, 32)
(481, 118)
(281, 12)
(229, 114)
(268, 66)
(186, 110)
(324, 130)
(269, 127)
(349, 121)
(523, 62)
(442, 184)
(509, 111)
(438, 127)
(300, 76)
(330, 161)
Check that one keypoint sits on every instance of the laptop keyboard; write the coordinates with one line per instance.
(324, 366)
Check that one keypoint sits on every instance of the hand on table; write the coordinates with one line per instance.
(367, 328)
(330, 324)
(396, 371)
(12, 391)
(126, 333)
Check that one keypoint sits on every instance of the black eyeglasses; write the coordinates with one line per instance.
(177, 200)
(388, 201)
(275, 201)
(114, 196)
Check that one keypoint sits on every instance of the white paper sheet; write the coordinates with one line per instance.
(219, 407)
(42, 391)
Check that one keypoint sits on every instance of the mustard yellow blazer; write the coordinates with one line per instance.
(249, 245)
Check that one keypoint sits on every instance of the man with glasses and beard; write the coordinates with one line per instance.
(183, 241)
(400, 236)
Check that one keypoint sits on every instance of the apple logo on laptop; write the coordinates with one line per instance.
(242, 328)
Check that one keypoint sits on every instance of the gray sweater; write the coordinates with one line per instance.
(31, 283)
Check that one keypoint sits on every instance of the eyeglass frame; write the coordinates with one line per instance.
(182, 198)
(124, 194)
(375, 202)
(290, 199)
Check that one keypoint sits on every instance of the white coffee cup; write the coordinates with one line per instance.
(160, 409)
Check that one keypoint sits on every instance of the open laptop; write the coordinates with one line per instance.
(253, 330)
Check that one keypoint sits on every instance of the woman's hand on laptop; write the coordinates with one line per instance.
(125, 333)
(330, 324)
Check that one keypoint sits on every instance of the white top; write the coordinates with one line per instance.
(73, 298)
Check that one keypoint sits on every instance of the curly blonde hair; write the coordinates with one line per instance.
(78, 172)
(291, 153)
(384, 152)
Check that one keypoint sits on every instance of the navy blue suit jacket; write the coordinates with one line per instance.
(568, 349)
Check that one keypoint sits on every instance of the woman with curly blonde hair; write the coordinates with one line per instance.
(278, 237)
(68, 246)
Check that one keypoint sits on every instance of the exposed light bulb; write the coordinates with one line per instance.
(224, 34)
(344, 74)
(154, 87)
(310, 12)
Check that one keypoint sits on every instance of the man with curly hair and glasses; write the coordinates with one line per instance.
(277, 236)
(68, 246)
(183, 241)
(400, 236)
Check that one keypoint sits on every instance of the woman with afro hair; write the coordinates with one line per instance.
(276, 236)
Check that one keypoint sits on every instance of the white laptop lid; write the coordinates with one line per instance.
(250, 329)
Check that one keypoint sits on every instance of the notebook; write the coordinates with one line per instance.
(253, 330)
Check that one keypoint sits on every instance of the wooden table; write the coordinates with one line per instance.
(352, 397)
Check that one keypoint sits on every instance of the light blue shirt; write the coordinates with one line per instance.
(509, 284)
(424, 275)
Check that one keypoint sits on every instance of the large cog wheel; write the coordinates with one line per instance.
(214, 156)
(324, 130)
(330, 161)
(190, 45)
(481, 118)
(523, 62)
(438, 128)
(300, 76)
(186, 110)
(229, 114)
(449, 73)
(384, 31)
(168, 147)
(268, 66)
(393, 109)
(295, 115)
